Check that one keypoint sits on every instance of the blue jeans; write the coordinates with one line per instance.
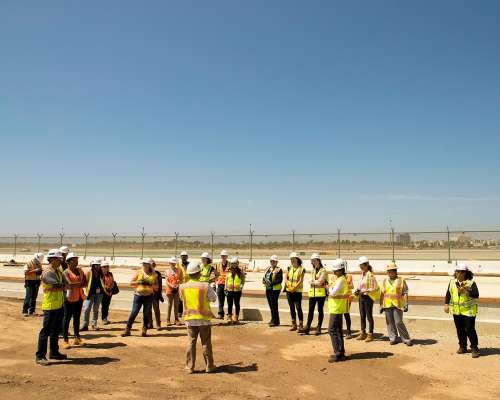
(139, 301)
(94, 301)
(50, 329)
(31, 295)
(295, 302)
(221, 297)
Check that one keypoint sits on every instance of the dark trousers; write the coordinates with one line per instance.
(336, 336)
(221, 298)
(29, 304)
(366, 312)
(181, 308)
(466, 328)
(140, 301)
(233, 297)
(156, 311)
(347, 317)
(106, 300)
(72, 310)
(295, 302)
(320, 301)
(50, 329)
(272, 300)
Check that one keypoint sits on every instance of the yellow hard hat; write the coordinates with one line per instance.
(391, 265)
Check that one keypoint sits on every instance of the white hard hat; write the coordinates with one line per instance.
(205, 255)
(363, 260)
(274, 257)
(147, 261)
(315, 256)
(96, 261)
(224, 253)
(54, 253)
(339, 264)
(235, 260)
(70, 256)
(39, 257)
(64, 249)
(172, 260)
(461, 267)
(184, 253)
(104, 264)
(293, 254)
(193, 268)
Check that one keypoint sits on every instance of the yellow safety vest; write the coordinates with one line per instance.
(233, 285)
(273, 277)
(205, 273)
(185, 276)
(376, 294)
(393, 296)
(318, 291)
(151, 280)
(294, 275)
(52, 298)
(89, 278)
(194, 295)
(462, 304)
(339, 304)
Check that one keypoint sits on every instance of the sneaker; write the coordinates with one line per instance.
(158, 327)
(105, 321)
(211, 369)
(42, 361)
(95, 328)
(220, 317)
(84, 329)
(33, 313)
(58, 356)
(189, 370)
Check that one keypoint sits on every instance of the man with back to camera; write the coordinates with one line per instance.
(32, 272)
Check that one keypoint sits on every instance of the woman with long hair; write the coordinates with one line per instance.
(368, 291)
(235, 279)
(95, 293)
(174, 276)
(294, 283)
(273, 277)
(109, 283)
(317, 294)
(207, 269)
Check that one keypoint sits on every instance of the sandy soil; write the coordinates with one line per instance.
(255, 362)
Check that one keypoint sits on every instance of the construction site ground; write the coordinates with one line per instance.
(254, 362)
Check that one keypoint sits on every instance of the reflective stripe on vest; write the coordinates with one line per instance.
(89, 278)
(151, 280)
(339, 304)
(376, 294)
(233, 285)
(52, 298)
(273, 277)
(195, 297)
(205, 273)
(462, 304)
(221, 280)
(75, 294)
(185, 276)
(318, 291)
(108, 282)
(294, 275)
(31, 275)
(393, 296)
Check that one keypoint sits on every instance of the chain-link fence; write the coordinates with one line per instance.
(393, 244)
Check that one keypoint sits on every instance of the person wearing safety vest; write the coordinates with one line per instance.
(317, 294)
(53, 284)
(183, 263)
(235, 279)
(338, 304)
(64, 251)
(347, 315)
(145, 281)
(207, 269)
(157, 298)
(95, 292)
(73, 301)
(222, 269)
(367, 292)
(461, 302)
(109, 284)
(197, 296)
(174, 276)
(294, 283)
(393, 302)
(32, 272)
(273, 277)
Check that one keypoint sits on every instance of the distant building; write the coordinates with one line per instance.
(404, 239)
(460, 238)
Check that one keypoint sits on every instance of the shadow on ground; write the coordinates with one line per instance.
(370, 355)
(88, 361)
(237, 368)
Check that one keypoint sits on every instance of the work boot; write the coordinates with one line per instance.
(229, 319)
(236, 318)
(348, 335)
(66, 345)
(294, 326)
(144, 332)
(211, 369)
(301, 326)
(58, 356)
(126, 332)
(318, 331)
(475, 353)
(461, 350)
(369, 338)
(304, 330)
(78, 342)
(361, 336)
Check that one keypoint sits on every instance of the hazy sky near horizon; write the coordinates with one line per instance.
(202, 116)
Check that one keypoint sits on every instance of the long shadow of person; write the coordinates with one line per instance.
(237, 368)
(88, 361)
(369, 355)
(105, 345)
(488, 351)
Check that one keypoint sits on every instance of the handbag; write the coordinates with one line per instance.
(115, 289)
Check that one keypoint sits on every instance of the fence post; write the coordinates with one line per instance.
(392, 236)
(142, 247)
(176, 234)
(251, 243)
(62, 235)
(449, 247)
(213, 233)
(338, 241)
(39, 238)
(86, 242)
(293, 240)
(15, 245)
(114, 238)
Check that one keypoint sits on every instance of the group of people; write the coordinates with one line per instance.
(191, 287)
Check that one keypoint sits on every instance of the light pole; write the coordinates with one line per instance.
(293, 240)
(15, 245)
(142, 249)
(449, 247)
(213, 233)
(86, 242)
(114, 239)
(176, 234)
(338, 241)
(251, 243)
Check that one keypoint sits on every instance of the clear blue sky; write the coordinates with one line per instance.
(206, 116)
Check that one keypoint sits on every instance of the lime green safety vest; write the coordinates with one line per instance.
(233, 285)
(462, 304)
(318, 291)
(273, 277)
(52, 298)
(195, 297)
(339, 304)
(205, 273)
(376, 294)
(294, 275)
(89, 279)
(393, 296)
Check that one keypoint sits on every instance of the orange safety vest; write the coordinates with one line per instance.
(108, 281)
(32, 275)
(75, 294)
(195, 298)
(393, 296)
(349, 281)
(173, 279)
(221, 280)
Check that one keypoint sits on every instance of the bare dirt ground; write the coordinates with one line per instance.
(255, 362)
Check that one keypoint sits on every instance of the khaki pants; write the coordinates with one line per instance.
(205, 333)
